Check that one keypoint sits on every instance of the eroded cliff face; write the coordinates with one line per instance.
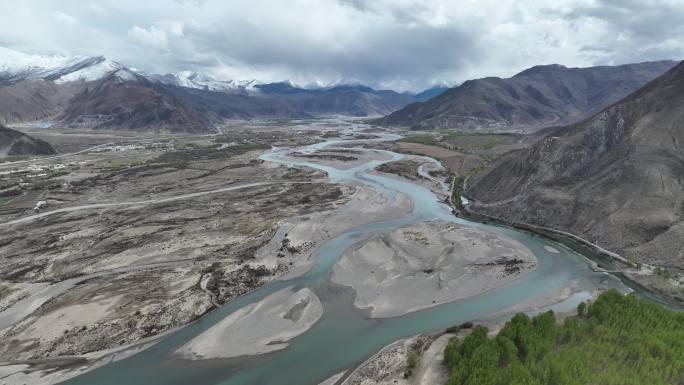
(615, 178)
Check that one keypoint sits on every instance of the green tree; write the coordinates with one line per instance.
(617, 340)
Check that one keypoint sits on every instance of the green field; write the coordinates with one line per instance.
(419, 138)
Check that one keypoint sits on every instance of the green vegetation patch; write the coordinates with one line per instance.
(7, 184)
(180, 159)
(419, 138)
(616, 340)
(411, 363)
(457, 191)
(239, 149)
(6, 199)
(117, 167)
(663, 272)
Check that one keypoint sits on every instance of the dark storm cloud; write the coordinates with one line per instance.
(635, 30)
(383, 53)
(402, 44)
(643, 20)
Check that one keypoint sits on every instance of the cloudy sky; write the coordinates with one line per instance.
(399, 44)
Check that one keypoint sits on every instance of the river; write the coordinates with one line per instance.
(345, 336)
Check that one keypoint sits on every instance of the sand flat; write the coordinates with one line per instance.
(332, 156)
(306, 233)
(551, 249)
(258, 328)
(428, 263)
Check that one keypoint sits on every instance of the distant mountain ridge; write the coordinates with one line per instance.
(535, 98)
(16, 67)
(97, 92)
(59, 89)
(430, 93)
(616, 178)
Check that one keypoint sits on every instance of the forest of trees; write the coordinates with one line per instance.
(616, 340)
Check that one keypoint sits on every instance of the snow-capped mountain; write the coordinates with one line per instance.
(318, 84)
(191, 79)
(17, 66)
(98, 69)
(96, 92)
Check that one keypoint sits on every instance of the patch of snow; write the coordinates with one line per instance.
(12, 61)
(191, 79)
(16, 66)
(126, 75)
(94, 72)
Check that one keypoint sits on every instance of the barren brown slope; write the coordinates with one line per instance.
(535, 98)
(132, 104)
(31, 100)
(616, 178)
(16, 143)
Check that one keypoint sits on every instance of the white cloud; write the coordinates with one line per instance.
(404, 44)
(66, 19)
(153, 37)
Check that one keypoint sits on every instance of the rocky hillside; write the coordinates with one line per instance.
(350, 100)
(538, 97)
(13, 142)
(33, 100)
(616, 179)
(126, 101)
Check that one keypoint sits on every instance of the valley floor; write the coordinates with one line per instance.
(133, 241)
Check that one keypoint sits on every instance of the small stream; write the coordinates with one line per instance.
(345, 336)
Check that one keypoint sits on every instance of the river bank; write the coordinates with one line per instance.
(406, 362)
(601, 259)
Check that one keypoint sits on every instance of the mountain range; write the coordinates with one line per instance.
(616, 178)
(535, 98)
(96, 92)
